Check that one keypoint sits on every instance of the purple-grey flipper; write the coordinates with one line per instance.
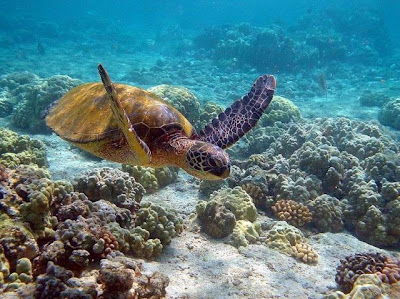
(243, 115)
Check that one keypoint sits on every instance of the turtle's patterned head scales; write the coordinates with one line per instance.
(207, 161)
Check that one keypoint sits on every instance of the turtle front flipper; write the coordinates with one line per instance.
(140, 151)
(243, 115)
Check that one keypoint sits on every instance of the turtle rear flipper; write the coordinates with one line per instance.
(140, 150)
(243, 115)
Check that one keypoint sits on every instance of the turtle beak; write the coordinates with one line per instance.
(222, 172)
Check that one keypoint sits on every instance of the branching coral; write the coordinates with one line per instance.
(387, 268)
(305, 253)
(292, 212)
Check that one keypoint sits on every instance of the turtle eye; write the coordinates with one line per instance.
(215, 162)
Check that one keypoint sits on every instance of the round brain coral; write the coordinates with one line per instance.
(387, 268)
(389, 115)
(282, 110)
(218, 216)
(292, 212)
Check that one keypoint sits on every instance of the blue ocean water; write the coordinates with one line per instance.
(327, 149)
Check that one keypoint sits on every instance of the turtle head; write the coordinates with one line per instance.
(207, 161)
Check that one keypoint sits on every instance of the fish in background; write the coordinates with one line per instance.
(40, 48)
(322, 84)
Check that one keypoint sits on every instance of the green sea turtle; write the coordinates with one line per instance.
(129, 125)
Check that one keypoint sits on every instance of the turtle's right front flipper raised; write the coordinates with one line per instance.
(243, 115)
(139, 148)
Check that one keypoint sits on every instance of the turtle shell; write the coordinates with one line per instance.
(84, 115)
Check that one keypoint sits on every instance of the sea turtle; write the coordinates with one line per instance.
(130, 125)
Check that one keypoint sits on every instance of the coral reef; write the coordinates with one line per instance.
(122, 277)
(365, 286)
(152, 179)
(389, 115)
(327, 213)
(245, 233)
(29, 193)
(307, 44)
(292, 212)
(240, 44)
(280, 109)
(160, 223)
(118, 277)
(386, 268)
(64, 232)
(290, 241)
(208, 112)
(373, 99)
(32, 95)
(20, 149)
(111, 184)
(6, 107)
(344, 171)
(219, 214)
(255, 192)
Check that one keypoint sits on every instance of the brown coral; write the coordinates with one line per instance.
(292, 212)
(3, 174)
(255, 193)
(111, 242)
(305, 253)
(387, 268)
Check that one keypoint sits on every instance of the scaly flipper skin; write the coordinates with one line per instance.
(243, 115)
(140, 149)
